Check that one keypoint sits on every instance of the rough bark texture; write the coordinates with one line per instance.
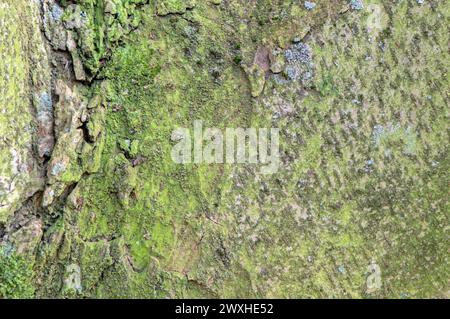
(92, 205)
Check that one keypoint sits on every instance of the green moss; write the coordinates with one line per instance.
(165, 7)
(16, 275)
(344, 197)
